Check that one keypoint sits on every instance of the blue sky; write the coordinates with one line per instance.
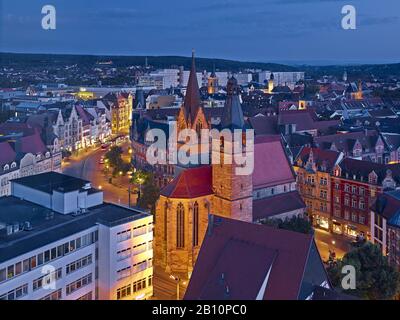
(249, 30)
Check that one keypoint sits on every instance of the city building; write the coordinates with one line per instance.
(355, 187)
(362, 145)
(314, 168)
(120, 107)
(59, 241)
(385, 225)
(24, 154)
(280, 78)
(244, 261)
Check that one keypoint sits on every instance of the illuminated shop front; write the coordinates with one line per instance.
(337, 227)
(351, 230)
(321, 222)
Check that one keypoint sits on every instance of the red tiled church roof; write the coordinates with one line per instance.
(271, 165)
(235, 259)
(191, 183)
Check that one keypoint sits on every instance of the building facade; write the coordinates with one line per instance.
(63, 243)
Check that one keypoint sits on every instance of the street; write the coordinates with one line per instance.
(329, 241)
(85, 165)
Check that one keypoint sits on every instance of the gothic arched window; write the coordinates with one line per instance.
(196, 224)
(199, 126)
(165, 221)
(180, 226)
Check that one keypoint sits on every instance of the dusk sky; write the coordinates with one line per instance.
(300, 31)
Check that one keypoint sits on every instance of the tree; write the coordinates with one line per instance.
(149, 196)
(296, 223)
(114, 156)
(149, 191)
(375, 278)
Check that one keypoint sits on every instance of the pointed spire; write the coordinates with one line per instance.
(192, 100)
(232, 116)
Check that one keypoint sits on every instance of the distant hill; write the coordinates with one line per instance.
(8, 59)
(54, 60)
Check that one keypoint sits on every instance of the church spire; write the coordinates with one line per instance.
(192, 100)
(232, 116)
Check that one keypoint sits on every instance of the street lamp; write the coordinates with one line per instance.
(178, 281)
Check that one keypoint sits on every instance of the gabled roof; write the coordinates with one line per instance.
(7, 153)
(278, 204)
(362, 169)
(346, 141)
(237, 257)
(32, 144)
(388, 205)
(191, 183)
(271, 165)
(321, 157)
(192, 100)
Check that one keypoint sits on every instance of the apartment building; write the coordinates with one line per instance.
(59, 241)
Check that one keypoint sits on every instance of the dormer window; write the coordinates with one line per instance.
(6, 167)
(13, 165)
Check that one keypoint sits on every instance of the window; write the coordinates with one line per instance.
(362, 191)
(15, 293)
(346, 200)
(123, 292)
(354, 189)
(354, 203)
(354, 216)
(76, 285)
(3, 274)
(165, 221)
(180, 226)
(347, 214)
(78, 264)
(123, 273)
(124, 254)
(196, 224)
(346, 188)
(139, 285)
(124, 235)
(46, 279)
(87, 296)
(56, 295)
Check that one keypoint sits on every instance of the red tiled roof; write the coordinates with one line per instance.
(191, 183)
(278, 204)
(271, 165)
(238, 255)
(33, 144)
(327, 157)
(7, 153)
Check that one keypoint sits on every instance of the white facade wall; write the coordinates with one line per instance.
(111, 261)
(61, 262)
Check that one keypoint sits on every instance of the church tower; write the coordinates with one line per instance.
(232, 192)
(191, 114)
(212, 86)
(271, 83)
(359, 93)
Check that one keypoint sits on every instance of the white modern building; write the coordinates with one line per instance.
(281, 78)
(59, 241)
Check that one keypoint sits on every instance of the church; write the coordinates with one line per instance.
(186, 202)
